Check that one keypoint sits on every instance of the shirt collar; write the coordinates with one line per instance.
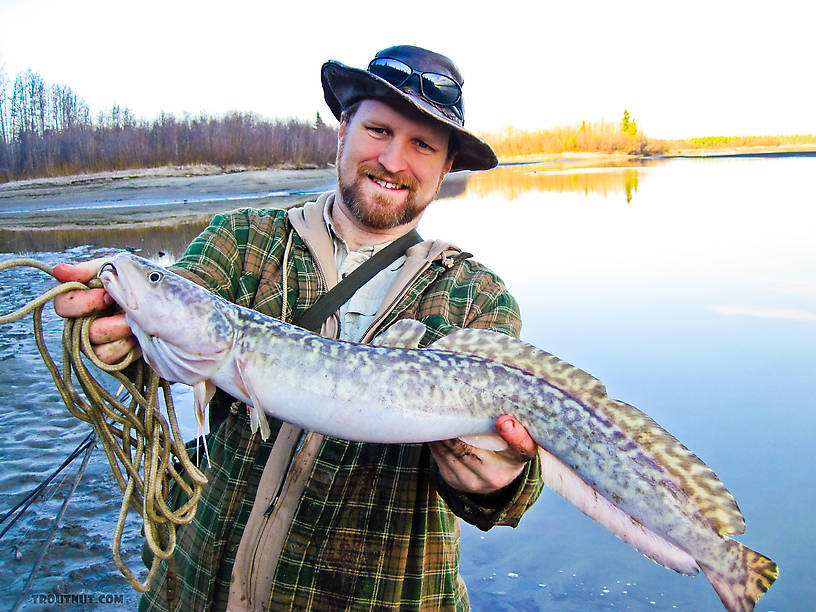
(339, 243)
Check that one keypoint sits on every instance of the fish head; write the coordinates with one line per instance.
(183, 329)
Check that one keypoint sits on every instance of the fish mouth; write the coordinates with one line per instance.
(105, 266)
(109, 276)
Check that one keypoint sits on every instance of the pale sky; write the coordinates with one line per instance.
(681, 68)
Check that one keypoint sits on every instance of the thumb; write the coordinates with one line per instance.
(516, 437)
(81, 272)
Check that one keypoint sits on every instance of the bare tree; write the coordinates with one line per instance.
(48, 131)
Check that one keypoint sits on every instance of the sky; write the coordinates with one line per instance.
(681, 69)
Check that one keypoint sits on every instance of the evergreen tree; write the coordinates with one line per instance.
(628, 125)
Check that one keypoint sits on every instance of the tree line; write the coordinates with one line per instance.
(600, 136)
(48, 130)
(625, 138)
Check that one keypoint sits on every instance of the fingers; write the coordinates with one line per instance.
(110, 336)
(109, 329)
(82, 302)
(473, 470)
(80, 272)
(449, 456)
(516, 436)
(111, 352)
(455, 452)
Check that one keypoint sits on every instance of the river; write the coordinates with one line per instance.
(687, 286)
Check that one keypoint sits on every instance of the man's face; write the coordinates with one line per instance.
(390, 166)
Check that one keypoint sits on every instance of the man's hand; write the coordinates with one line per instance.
(475, 470)
(110, 336)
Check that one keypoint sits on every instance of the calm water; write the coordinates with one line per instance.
(687, 287)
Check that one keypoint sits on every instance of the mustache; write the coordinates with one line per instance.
(398, 178)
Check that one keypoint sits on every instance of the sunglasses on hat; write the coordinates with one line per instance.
(437, 88)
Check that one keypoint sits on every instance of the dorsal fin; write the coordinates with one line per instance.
(405, 333)
(693, 476)
(519, 354)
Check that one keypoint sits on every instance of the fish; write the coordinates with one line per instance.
(606, 457)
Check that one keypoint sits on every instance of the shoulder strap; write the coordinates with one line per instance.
(327, 304)
(330, 301)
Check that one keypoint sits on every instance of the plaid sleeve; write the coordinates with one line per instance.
(469, 295)
(466, 295)
(478, 509)
(212, 259)
(227, 256)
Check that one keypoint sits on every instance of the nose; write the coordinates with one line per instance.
(392, 157)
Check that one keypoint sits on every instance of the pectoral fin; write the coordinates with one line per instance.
(257, 418)
(203, 392)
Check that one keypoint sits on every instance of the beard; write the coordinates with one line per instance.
(380, 211)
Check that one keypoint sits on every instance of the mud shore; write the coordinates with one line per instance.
(151, 197)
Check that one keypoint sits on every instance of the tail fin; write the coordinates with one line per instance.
(746, 580)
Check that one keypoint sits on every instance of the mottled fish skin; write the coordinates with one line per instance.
(456, 387)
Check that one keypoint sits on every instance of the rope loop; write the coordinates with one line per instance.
(143, 445)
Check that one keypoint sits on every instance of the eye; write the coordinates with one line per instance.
(155, 277)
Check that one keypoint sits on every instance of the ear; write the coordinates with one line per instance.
(345, 119)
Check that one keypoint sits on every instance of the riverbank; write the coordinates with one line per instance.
(157, 196)
(676, 153)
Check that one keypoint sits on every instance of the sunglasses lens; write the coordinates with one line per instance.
(440, 89)
(437, 88)
(392, 70)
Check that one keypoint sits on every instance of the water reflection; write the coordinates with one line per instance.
(151, 240)
(576, 176)
(584, 176)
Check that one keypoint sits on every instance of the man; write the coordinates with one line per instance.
(303, 521)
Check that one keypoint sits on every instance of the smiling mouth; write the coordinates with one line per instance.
(386, 184)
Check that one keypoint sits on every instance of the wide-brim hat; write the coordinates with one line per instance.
(344, 85)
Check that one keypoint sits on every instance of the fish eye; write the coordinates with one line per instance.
(155, 277)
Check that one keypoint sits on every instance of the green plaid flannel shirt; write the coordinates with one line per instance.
(374, 529)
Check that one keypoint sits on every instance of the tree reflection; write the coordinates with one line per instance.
(512, 181)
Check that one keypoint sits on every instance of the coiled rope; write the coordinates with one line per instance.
(145, 450)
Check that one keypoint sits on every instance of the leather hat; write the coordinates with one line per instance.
(344, 85)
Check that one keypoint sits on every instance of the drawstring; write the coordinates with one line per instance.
(285, 274)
